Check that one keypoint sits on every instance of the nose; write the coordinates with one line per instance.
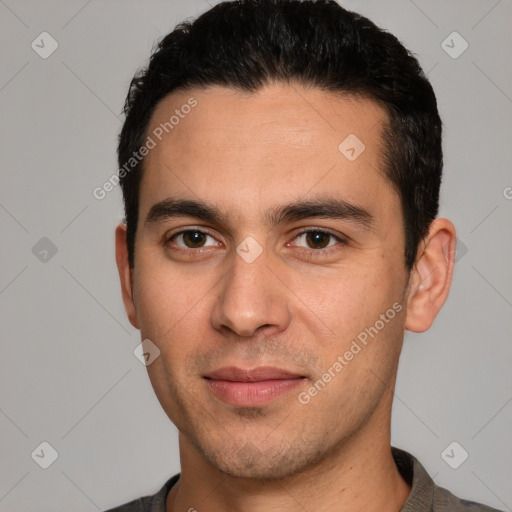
(251, 298)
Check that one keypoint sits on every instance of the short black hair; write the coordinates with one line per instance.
(247, 44)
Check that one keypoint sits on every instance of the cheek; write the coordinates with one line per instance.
(361, 358)
(354, 298)
(165, 300)
(364, 311)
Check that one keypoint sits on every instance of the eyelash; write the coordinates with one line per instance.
(316, 252)
(325, 252)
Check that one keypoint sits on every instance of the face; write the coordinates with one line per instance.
(269, 272)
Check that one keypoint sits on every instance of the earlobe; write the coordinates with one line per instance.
(431, 276)
(125, 275)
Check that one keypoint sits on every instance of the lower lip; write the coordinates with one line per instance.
(252, 394)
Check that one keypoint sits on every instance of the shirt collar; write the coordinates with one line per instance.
(421, 496)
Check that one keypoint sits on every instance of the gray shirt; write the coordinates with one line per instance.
(425, 495)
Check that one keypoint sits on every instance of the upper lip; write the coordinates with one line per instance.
(261, 373)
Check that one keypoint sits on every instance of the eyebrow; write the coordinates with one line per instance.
(326, 208)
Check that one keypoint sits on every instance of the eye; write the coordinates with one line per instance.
(317, 239)
(192, 239)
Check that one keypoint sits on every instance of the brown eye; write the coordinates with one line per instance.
(318, 239)
(192, 239)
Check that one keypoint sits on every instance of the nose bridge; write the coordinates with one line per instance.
(250, 296)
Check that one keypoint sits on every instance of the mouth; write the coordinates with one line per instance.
(252, 387)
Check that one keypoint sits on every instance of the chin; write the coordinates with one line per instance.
(271, 463)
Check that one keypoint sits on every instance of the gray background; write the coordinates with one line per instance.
(68, 375)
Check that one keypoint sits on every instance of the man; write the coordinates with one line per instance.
(280, 164)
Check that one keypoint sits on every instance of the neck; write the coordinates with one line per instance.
(359, 475)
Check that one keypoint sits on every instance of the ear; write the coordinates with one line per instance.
(431, 276)
(125, 275)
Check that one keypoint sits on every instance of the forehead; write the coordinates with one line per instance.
(281, 142)
(283, 115)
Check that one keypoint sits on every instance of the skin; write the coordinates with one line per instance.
(297, 306)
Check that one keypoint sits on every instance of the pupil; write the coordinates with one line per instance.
(318, 239)
(193, 238)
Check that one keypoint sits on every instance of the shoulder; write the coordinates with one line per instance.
(137, 505)
(425, 495)
(150, 503)
(445, 500)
